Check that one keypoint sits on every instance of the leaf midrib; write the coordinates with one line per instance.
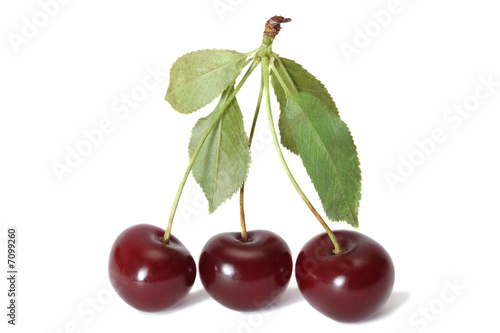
(217, 158)
(185, 84)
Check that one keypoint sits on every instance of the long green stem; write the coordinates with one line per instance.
(287, 77)
(265, 77)
(166, 236)
(244, 236)
(256, 113)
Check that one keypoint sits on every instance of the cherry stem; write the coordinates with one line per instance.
(265, 77)
(166, 236)
(244, 236)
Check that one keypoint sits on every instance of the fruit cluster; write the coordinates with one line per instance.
(345, 275)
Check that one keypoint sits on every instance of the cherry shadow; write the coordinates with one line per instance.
(291, 296)
(193, 298)
(395, 301)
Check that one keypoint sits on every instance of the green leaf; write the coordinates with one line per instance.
(223, 162)
(329, 155)
(197, 78)
(302, 81)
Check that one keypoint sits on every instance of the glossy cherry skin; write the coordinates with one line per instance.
(148, 274)
(246, 276)
(348, 287)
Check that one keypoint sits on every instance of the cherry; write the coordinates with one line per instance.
(148, 274)
(347, 287)
(246, 275)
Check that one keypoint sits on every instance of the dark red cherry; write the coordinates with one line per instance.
(249, 275)
(348, 287)
(148, 274)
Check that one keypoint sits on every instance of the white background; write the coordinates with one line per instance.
(439, 221)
